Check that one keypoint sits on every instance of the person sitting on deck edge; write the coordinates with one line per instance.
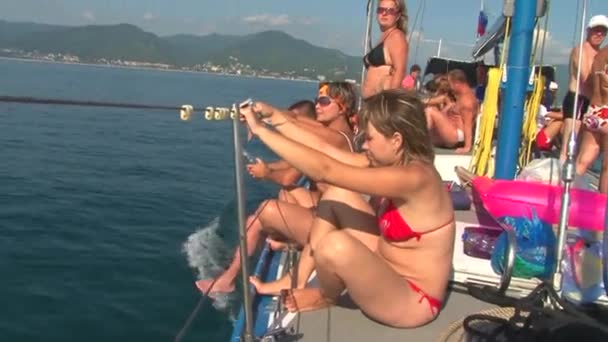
(401, 279)
(289, 218)
(452, 127)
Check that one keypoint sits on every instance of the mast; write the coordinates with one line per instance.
(518, 72)
(366, 44)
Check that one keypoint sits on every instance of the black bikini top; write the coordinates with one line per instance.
(375, 57)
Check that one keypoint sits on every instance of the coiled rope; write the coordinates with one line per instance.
(542, 313)
(456, 331)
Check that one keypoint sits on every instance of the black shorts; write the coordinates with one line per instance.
(568, 106)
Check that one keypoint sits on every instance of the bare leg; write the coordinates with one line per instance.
(304, 269)
(361, 217)
(267, 216)
(294, 195)
(588, 151)
(360, 220)
(552, 129)
(289, 221)
(285, 196)
(375, 287)
(225, 282)
(299, 196)
(277, 245)
(443, 132)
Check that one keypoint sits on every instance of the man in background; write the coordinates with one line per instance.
(596, 33)
(594, 137)
(410, 82)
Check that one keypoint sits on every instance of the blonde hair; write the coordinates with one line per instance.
(443, 86)
(400, 111)
(403, 18)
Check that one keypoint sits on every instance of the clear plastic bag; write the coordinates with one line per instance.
(549, 171)
(542, 170)
(582, 271)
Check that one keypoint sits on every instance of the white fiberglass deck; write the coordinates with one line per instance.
(346, 322)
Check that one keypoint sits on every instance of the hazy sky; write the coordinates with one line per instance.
(332, 23)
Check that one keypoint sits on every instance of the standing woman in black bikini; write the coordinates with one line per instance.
(386, 63)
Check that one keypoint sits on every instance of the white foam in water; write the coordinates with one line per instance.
(204, 249)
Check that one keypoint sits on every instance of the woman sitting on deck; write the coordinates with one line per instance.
(291, 215)
(394, 257)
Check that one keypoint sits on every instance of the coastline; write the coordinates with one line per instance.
(32, 60)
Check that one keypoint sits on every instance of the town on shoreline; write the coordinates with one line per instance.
(234, 69)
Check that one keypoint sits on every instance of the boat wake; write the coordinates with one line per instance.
(207, 253)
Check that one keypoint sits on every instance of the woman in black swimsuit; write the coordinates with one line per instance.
(386, 63)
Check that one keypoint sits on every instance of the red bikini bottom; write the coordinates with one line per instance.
(434, 303)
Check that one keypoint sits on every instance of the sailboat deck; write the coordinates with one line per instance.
(348, 324)
(345, 322)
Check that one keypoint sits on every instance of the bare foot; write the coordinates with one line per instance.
(273, 287)
(277, 245)
(220, 286)
(306, 299)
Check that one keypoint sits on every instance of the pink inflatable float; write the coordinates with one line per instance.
(516, 198)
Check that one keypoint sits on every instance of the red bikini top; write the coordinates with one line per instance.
(393, 227)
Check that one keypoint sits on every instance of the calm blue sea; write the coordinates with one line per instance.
(108, 216)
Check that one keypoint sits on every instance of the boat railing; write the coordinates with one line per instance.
(240, 200)
(509, 258)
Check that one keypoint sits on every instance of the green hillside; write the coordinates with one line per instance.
(10, 32)
(121, 41)
(273, 51)
(193, 49)
(278, 51)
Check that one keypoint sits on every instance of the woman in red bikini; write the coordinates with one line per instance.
(393, 254)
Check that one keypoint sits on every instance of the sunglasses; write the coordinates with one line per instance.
(387, 10)
(323, 101)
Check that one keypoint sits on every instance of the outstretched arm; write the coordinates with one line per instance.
(329, 135)
(397, 181)
(285, 177)
(310, 138)
(279, 172)
(278, 165)
(555, 115)
(436, 100)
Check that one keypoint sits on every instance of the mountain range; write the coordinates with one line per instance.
(273, 51)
